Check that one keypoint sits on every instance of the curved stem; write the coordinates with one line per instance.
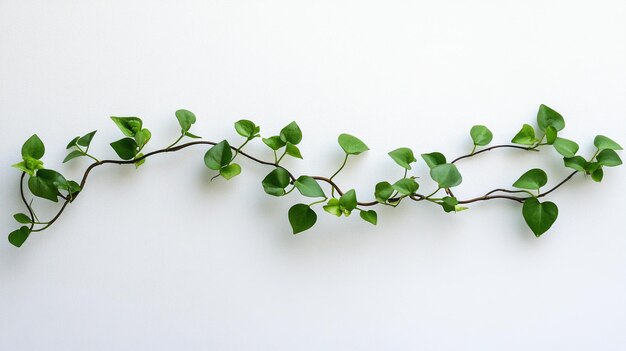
(493, 148)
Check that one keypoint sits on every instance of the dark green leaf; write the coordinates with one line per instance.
(293, 151)
(548, 117)
(597, 174)
(403, 156)
(246, 128)
(43, 187)
(128, 125)
(602, 142)
(383, 191)
(609, 158)
(72, 143)
(406, 186)
(274, 142)
(276, 182)
(481, 135)
(192, 135)
(533, 179)
(125, 148)
(351, 145)
(348, 201)
(85, 140)
(434, 159)
(577, 162)
(54, 177)
(33, 147)
(446, 175)
(369, 216)
(301, 218)
(18, 237)
(539, 216)
(449, 204)
(309, 187)
(565, 147)
(218, 156)
(142, 137)
(526, 136)
(73, 155)
(185, 118)
(73, 188)
(333, 207)
(22, 218)
(291, 133)
(230, 171)
(551, 134)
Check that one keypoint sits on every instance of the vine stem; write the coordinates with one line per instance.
(492, 148)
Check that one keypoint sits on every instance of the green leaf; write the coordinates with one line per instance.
(434, 159)
(446, 175)
(274, 142)
(85, 140)
(230, 171)
(142, 137)
(141, 160)
(449, 204)
(533, 179)
(347, 201)
(333, 207)
(276, 182)
(383, 191)
(218, 156)
(54, 177)
(309, 187)
(609, 158)
(43, 187)
(128, 125)
(72, 143)
(539, 216)
(301, 218)
(526, 136)
(125, 148)
(590, 167)
(565, 147)
(481, 135)
(73, 188)
(33, 147)
(548, 117)
(576, 162)
(192, 135)
(351, 145)
(550, 135)
(185, 118)
(247, 128)
(369, 216)
(403, 156)
(22, 218)
(602, 142)
(597, 174)
(73, 155)
(406, 186)
(293, 150)
(18, 237)
(291, 133)
(29, 165)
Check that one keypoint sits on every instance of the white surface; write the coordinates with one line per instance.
(163, 259)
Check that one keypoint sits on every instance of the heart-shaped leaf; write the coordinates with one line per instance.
(539, 216)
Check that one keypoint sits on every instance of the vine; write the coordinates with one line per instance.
(539, 215)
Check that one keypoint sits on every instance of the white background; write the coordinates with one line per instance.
(161, 258)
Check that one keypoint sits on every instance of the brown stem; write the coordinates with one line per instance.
(492, 148)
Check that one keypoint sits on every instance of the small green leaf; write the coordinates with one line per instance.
(309, 187)
(274, 142)
(73, 188)
(565, 147)
(29, 165)
(293, 150)
(609, 158)
(72, 143)
(403, 156)
(481, 135)
(449, 204)
(369, 216)
(333, 207)
(22, 218)
(597, 174)
(18, 237)
(548, 117)
(141, 160)
(406, 186)
(291, 133)
(446, 175)
(383, 191)
(591, 167)
(434, 159)
(246, 128)
(602, 142)
(128, 125)
(85, 140)
(218, 156)
(348, 201)
(526, 136)
(539, 216)
(43, 187)
(142, 137)
(230, 171)
(73, 155)
(276, 182)
(551, 134)
(192, 135)
(351, 145)
(301, 217)
(533, 179)
(576, 162)
(185, 118)
(33, 147)
(126, 148)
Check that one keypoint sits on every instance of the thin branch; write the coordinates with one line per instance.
(493, 148)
